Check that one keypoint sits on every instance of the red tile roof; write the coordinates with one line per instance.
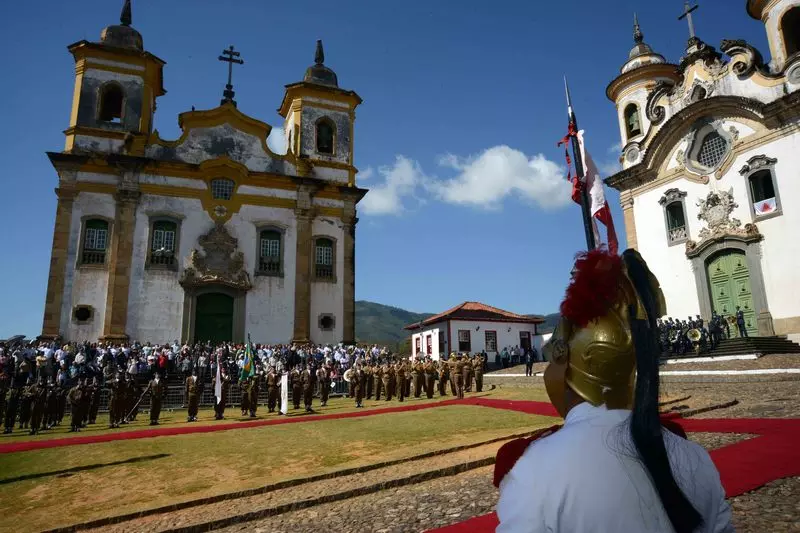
(477, 311)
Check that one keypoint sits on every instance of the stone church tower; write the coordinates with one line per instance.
(709, 186)
(210, 236)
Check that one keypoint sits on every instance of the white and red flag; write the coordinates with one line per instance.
(598, 206)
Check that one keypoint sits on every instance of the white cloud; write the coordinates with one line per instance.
(482, 181)
(399, 182)
(487, 179)
(277, 141)
(615, 148)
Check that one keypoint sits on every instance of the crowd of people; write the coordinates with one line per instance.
(38, 381)
(678, 336)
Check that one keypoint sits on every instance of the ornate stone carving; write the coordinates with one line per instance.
(757, 162)
(734, 133)
(750, 61)
(220, 262)
(654, 112)
(700, 88)
(716, 211)
(672, 195)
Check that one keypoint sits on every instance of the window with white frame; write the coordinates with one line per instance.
(491, 341)
(222, 188)
(269, 253)
(162, 243)
(464, 343)
(95, 242)
(323, 259)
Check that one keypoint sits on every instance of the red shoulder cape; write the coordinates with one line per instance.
(510, 452)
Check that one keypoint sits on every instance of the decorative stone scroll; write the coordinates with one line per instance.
(220, 263)
(716, 211)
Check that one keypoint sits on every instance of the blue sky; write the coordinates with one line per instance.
(463, 105)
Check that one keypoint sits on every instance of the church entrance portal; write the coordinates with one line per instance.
(729, 285)
(213, 319)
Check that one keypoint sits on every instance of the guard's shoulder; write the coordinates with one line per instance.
(510, 452)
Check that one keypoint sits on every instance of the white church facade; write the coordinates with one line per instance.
(473, 327)
(210, 236)
(709, 187)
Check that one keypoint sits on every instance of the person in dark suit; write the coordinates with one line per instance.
(740, 322)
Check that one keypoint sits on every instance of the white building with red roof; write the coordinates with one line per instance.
(473, 327)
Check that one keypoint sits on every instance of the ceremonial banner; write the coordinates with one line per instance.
(218, 385)
(765, 206)
(249, 367)
(597, 198)
(284, 393)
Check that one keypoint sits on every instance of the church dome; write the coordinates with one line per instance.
(318, 73)
(123, 35)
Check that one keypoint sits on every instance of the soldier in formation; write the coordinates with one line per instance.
(192, 396)
(307, 381)
(273, 382)
(324, 383)
(158, 391)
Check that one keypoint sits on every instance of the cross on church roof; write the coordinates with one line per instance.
(687, 14)
(229, 55)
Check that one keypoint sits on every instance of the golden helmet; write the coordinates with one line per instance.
(592, 349)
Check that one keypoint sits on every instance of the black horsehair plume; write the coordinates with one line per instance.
(646, 430)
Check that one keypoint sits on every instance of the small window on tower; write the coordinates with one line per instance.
(325, 135)
(111, 97)
(633, 124)
(323, 259)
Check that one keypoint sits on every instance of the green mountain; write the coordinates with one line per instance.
(383, 324)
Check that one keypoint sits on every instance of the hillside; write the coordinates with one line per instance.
(384, 324)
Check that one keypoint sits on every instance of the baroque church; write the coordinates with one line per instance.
(210, 236)
(709, 187)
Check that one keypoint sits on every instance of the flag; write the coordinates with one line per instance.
(218, 386)
(249, 367)
(598, 206)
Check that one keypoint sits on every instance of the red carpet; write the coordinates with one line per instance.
(743, 466)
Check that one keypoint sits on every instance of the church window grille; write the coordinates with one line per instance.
(325, 133)
(633, 124)
(712, 149)
(323, 264)
(269, 253)
(111, 99)
(676, 222)
(790, 28)
(464, 342)
(222, 188)
(491, 341)
(163, 243)
(95, 242)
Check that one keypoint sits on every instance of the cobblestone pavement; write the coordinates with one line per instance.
(775, 507)
(774, 399)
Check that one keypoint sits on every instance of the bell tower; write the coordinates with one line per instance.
(319, 121)
(116, 86)
(782, 21)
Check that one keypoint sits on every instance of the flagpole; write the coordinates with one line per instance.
(579, 170)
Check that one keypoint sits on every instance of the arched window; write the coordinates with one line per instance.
(790, 28)
(712, 149)
(675, 216)
(325, 136)
(633, 124)
(765, 201)
(269, 253)
(222, 188)
(323, 259)
(95, 242)
(111, 98)
(163, 243)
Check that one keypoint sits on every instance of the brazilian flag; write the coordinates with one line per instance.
(249, 367)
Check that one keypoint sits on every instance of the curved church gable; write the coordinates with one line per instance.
(222, 132)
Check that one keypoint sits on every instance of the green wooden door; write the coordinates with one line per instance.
(729, 280)
(214, 318)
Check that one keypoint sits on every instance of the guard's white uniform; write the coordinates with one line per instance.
(587, 478)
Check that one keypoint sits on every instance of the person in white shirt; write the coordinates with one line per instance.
(612, 467)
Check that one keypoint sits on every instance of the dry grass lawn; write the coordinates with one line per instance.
(56, 487)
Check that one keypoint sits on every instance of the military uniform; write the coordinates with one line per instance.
(388, 380)
(244, 386)
(379, 383)
(444, 376)
(458, 377)
(307, 379)
(51, 411)
(115, 406)
(192, 397)
(131, 399)
(477, 368)
(324, 380)
(272, 390)
(359, 380)
(400, 376)
(451, 364)
(26, 401)
(94, 401)
(467, 371)
(252, 394)
(158, 391)
(13, 400)
(39, 393)
(75, 397)
(295, 380)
